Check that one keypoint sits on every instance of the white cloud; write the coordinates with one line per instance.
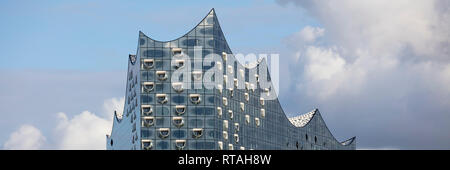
(323, 63)
(111, 105)
(84, 131)
(384, 27)
(26, 137)
(308, 34)
(372, 38)
(382, 66)
(87, 130)
(323, 66)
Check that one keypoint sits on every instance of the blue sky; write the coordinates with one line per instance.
(63, 64)
(96, 35)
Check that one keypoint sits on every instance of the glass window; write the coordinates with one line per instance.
(199, 31)
(208, 30)
(179, 99)
(181, 133)
(209, 42)
(146, 98)
(162, 145)
(182, 43)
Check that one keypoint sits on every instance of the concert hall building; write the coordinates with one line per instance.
(192, 94)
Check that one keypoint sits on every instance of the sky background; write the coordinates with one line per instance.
(377, 70)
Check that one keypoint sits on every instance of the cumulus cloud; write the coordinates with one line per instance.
(87, 130)
(385, 27)
(382, 66)
(323, 65)
(308, 34)
(111, 105)
(26, 137)
(84, 131)
(81, 131)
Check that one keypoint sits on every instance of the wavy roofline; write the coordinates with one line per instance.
(212, 10)
(348, 141)
(309, 120)
(253, 66)
(250, 66)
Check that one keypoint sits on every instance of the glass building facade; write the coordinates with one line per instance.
(170, 106)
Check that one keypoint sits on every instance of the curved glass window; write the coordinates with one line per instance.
(197, 75)
(147, 144)
(219, 112)
(164, 132)
(148, 63)
(225, 124)
(178, 121)
(247, 119)
(180, 109)
(162, 75)
(195, 98)
(225, 101)
(197, 132)
(178, 64)
(147, 109)
(161, 98)
(147, 86)
(177, 51)
(148, 121)
(230, 147)
(236, 138)
(178, 87)
(220, 145)
(180, 144)
(225, 135)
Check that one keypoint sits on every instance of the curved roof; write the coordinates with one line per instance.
(211, 20)
(302, 120)
(349, 141)
(203, 21)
